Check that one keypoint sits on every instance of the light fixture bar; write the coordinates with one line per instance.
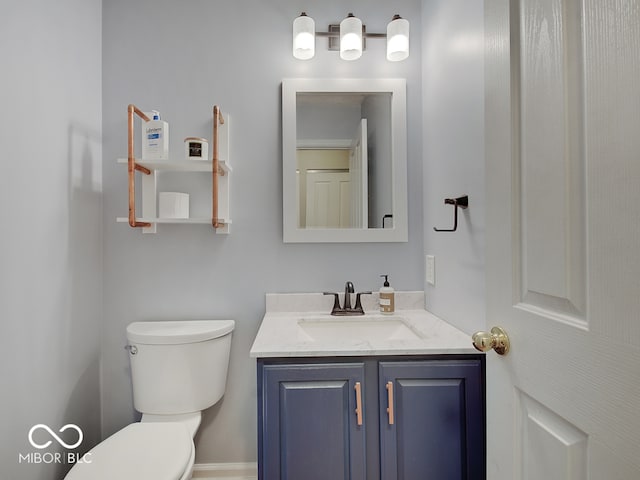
(336, 34)
(333, 36)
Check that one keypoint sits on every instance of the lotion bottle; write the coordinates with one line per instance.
(155, 138)
(387, 297)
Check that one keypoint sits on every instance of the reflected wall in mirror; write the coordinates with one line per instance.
(344, 160)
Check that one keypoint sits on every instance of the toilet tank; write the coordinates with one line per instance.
(178, 366)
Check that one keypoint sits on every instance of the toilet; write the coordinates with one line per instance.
(178, 369)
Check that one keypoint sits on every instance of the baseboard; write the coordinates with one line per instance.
(226, 471)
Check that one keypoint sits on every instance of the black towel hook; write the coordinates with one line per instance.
(462, 202)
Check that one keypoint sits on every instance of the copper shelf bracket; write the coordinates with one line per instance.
(132, 166)
(218, 119)
(461, 202)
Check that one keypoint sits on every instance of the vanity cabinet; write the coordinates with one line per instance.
(421, 417)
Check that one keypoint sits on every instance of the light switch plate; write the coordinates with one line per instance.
(430, 269)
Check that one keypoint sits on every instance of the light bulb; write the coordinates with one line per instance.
(350, 38)
(304, 40)
(397, 39)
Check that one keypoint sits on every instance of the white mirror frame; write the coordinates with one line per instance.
(397, 87)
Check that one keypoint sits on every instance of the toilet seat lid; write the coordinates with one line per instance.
(141, 451)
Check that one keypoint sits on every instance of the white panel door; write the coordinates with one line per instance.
(358, 170)
(563, 236)
(328, 199)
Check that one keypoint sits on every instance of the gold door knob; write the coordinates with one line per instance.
(497, 339)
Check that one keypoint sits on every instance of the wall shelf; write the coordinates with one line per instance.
(180, 165)
(218, 167)
(194, 221)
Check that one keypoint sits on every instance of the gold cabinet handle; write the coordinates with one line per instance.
(358, 403)
(497, 339)
(390, 402)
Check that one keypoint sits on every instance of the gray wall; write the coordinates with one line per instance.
(181, 58)
(377, 110)
(51, 216)
(453, 150)
(330, 121)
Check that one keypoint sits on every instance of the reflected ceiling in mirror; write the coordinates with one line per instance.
(344, 160)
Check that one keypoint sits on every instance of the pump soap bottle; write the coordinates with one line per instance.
(387, 297)
(155, 138)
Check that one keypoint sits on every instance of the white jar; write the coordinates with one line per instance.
(196, 148)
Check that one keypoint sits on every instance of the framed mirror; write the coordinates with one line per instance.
(344, 145)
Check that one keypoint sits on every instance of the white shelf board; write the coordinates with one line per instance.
(173, 220)
(179, 165)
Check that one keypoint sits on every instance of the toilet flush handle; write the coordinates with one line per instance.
(132, 349)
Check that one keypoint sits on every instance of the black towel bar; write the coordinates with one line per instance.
(462, 202)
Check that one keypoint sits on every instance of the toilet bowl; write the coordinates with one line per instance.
(178, 369)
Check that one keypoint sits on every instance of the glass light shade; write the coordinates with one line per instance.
(397, 39)
(304, 37)
(350, 38)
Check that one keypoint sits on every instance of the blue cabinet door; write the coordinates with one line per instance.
(308, 427)
(438, 425)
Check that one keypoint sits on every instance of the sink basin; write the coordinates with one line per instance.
(365, 328)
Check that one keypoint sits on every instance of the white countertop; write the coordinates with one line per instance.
(281, 335)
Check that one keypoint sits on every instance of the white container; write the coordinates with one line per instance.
(173, 205)
(178, 366)
(196, 148)
(155, 138)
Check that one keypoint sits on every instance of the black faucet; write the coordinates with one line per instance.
(348, 290)
(347, 309)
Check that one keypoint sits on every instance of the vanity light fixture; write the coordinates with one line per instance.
(349, 37)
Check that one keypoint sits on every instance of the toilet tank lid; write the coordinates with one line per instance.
(178, 332)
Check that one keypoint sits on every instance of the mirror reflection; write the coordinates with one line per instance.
(344, 160)
(343, 155)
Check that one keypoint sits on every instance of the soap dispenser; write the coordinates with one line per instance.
(387, 297)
